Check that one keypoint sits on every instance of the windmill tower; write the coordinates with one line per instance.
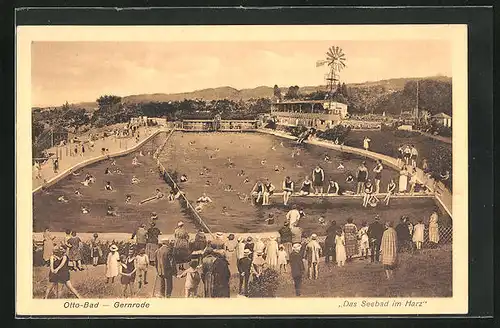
(335, 58)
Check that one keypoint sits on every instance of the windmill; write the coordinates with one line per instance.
(335, 58)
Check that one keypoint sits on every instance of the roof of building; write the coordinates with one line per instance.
(441, 115)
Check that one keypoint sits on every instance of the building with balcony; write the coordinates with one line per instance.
(318, 114)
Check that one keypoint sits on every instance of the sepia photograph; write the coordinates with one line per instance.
(295, 163)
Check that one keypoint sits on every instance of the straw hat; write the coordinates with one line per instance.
(314, 236)
(113, 248)
(246, 251)
(296, 247)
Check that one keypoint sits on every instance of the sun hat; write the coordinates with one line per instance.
(314, 236)
(259, 253)
(180, 224)
(272, 237)
(219, 234)
(113, 248)
(246, 251)
(164, 240)
(296, 247)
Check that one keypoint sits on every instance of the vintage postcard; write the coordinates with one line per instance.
(251, 170)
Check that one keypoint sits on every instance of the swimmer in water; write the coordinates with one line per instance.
(75, 173)
(78, 193)
(246, 180)
(281, 144)
(327, 158)
(349, 178)
(340, 167)
(184, 178)
(128, 199)
(208, 183)
(111, 211)
(85, 210)
(140, 153)
(228, 188)
(263, 162)
(118, 171)
(108, 186)
(113, 163)
(241, 173)
(107, 171)
(273, 147)
(62, 199)
(192, 143)
(217, 149)
(299, 165)
(135, 180)
(276, 168)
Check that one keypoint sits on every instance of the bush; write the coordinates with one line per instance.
(387, 127)
(445, 131)
(338, 132)
(295, 131)
(266, 286)
(271, 125)
(440, 161)
(406, 134)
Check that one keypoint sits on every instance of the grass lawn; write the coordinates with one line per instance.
(385, 142)
(190, 153)
(424, 274)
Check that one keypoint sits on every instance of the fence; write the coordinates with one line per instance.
(173, 184)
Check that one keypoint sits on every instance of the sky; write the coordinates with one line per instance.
(83, 71)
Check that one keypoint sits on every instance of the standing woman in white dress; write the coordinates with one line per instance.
(272, 253)
(403, 179)
(433, 229)
(340, 248)
(112, 265)
(418, 234)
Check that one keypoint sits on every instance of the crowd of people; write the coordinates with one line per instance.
(210, 261)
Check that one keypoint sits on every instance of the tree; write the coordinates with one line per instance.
(75, 118)
(292, 93)
(344, 91)
(277, 91)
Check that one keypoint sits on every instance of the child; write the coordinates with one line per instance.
(192, 279)
(340, 248)
(128, 272)
(282, 258)
(368, 193)
(418, 234)
(364, 241)
(141, 265)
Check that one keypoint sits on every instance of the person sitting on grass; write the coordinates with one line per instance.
(78, 193)
(108, 186)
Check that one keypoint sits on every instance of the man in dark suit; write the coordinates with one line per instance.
(375, 232)
(297, 267)
(244, 265)
(166, 267)
(330, 242)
